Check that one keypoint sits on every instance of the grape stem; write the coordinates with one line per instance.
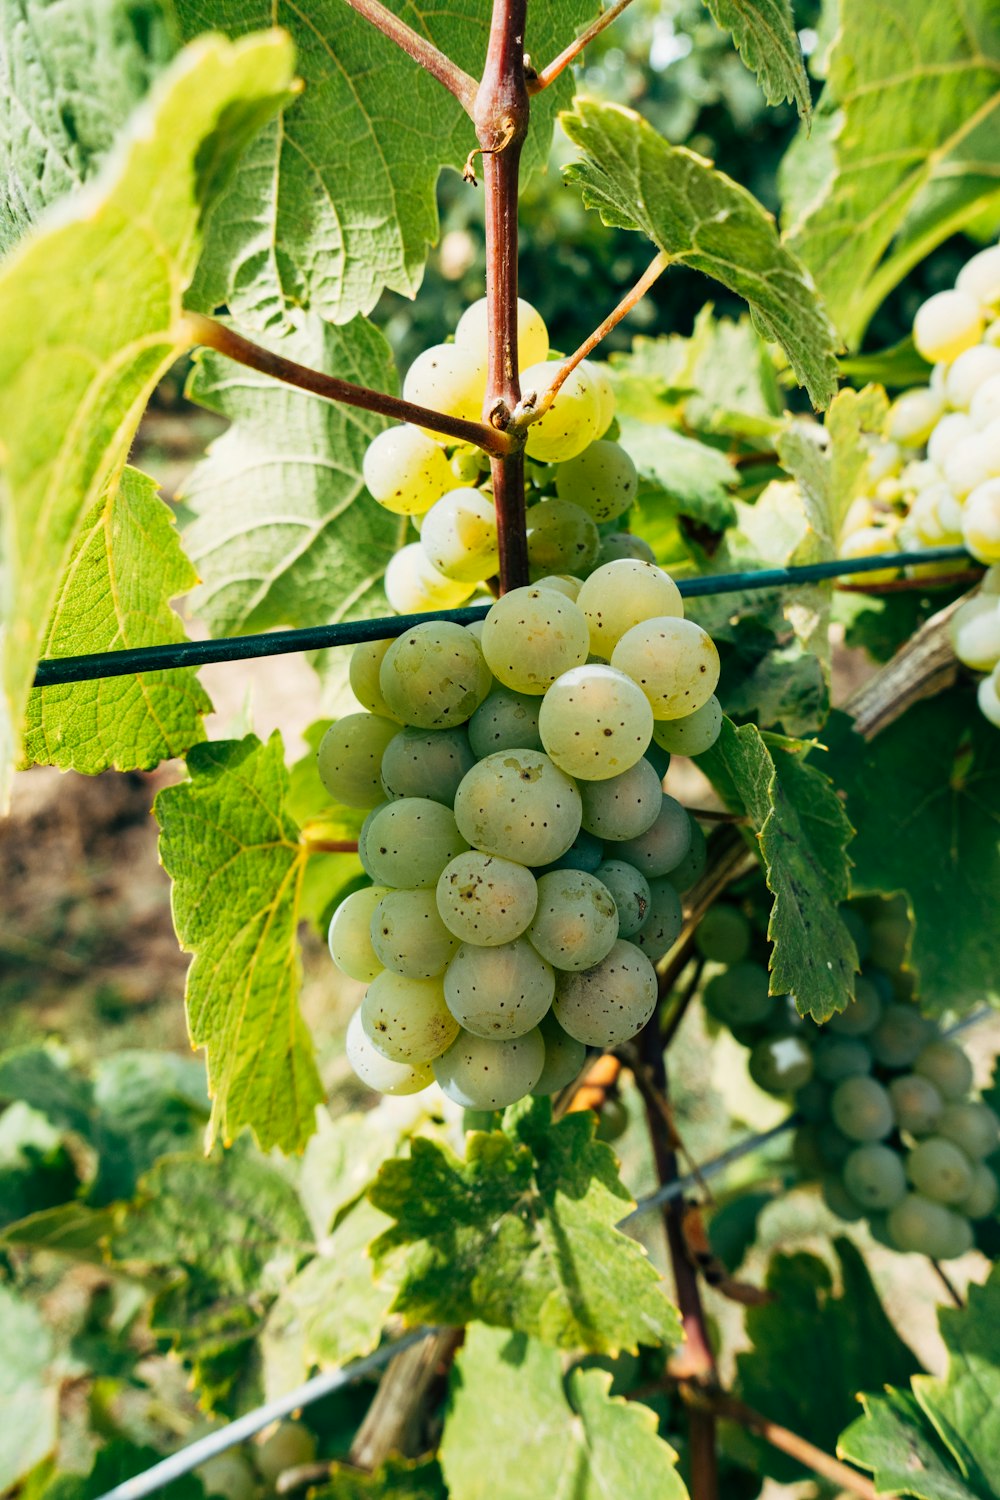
(955, 1295)
(214, 335)
(549, 74)
(533, 407)
(435, 62)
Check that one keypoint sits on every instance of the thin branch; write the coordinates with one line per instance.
(954, 1294)
(441, 67)
(913, 585)
(550, 73)
(655, 269)
(215, 335)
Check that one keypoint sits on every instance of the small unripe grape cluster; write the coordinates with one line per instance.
(525, 862)
(888, 1126)
(253, 1469)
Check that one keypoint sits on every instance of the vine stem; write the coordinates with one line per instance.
(214, 335)
(435, 62)
(549, 74)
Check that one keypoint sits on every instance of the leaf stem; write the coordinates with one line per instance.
(227, 341)
(441, 67)
(569, 54)
(330, 846)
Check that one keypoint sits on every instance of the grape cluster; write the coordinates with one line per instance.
(525, 861)
(887, 1124)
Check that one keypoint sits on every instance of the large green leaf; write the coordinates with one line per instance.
(91, 312)
(831, 473)
(515, 1427)
(234, 855)
(700, 218)
(28, 1405)
(284, 531)
(520, 1235)
(924, 797)
(113, 1464)
(907, 153)
(764, 33)
(70, 75)
(336, 201)
(803, 833)
(126, 566)
(897, 1443)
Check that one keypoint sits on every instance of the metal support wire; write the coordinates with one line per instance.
(59, 669)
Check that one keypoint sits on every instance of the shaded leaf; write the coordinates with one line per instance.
(114, 1463)
(765, 35)
(831, 474)
(28, 1407)
(396, 1479)
(897, 1443)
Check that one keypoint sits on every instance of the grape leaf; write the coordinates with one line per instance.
(520, 1235)
(928, 824)
(515, 1427)
(897, 1443)
(911, 121)
(91, 311)
(701, 218)
(284, 531)
(70, 75)
(681, 475)
(233, 852)
(117, 1461)
(831, 476)
(126, 565)
(397, 1479)
(336, 201)
(765, 36)
(29, 1408)
(803, 833)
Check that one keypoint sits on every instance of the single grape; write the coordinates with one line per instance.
(837, 1057)
(923, 1227)
(981, 520)
(622, 594)
(576, 921)
(350, 758)
(971, 1125)
(984, 407)
(363, 838)
(621, 546)
(863, 1013)
(486, 900)
(911, 417)
(468, 465)
(506, 720)
(407, 1020)
(585, 853)
(562, 538)
(472, 332)
(862, 1109)
(889, 936)
(564, 1057)
(674, 661)
(606, 1005)
(970, 370)
(979, 278)
(839, 1201)
(630, 891)
(405, 470)
(531, 636)
(694, 733)
(947, 324)
(691, 868)
(947, 1067)
(290, 1445)
(563, 583)
(874, 1175)
(624, 806)
(781, 1064)
(723, 935)
(899, 1036)
(459, 536)
(982, 1201)
(662, 847)
(916, 1103)
(409, 936)
(499, 992)
(948, 436)
(434, 675)
(940, 1170)
(519, 805)
(601, 480)
(427, 763)
(573, 419)
(349, 935)
(595, 722)
(974, 632)
(988, 699)
(229, 1475)
(408, 843)
(448, 379)
(476, 1073)
(413, 585)
(366, 663)
(663, 923)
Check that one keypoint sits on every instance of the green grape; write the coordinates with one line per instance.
(506, 720)
(839, 1201)
(691, 868)
(781, 1064)
(407, 1020)
(912, 416)
(980, 277)
(982, 1201)
(624, 806)
(459, 535)
(381, 1073)
(409, 936)
(476, 1073)
(612, 1122)
(408, 843)
(601, 381)
(981, 513)
(366, 663)
(969, 371)
(576, 921)
(899, 1036)
(674, 661)
(606, 1005)
(940, 1170)
(434, 675)
(571, 422)
(519, 805)
(287, 1447)
(427, 763)
(837, 1057)
(561, 539)
(486, 900)
(448, 379)
(947, 1067)
(531, 636)
(622, 594)
(916, 1103)
(923, 1227)
(472, 332)
(858, 929)
(663, 923)
(499, 992)
(468, 465)
(664, 844)
(350, 757)
(230, 1475)
(862, 1109)
(595, 723)
(988, 699)
(972, 1126)
(875, 1177)
(564, 1057)
(630, 892)
(812, 1101)
(974, 631)
(585, 853)
(405, 470)
(363, 838)
(947, 324)
(694, 733)
(563, 583)
(862, 1014)
(723, 935)
(349, 935)
(889, 937)
(413, 586)
(601, 480)
(621, 546)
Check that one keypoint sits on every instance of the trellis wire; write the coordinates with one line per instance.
(62, 669)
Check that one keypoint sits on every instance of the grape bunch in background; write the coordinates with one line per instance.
(888, 1126)
(524, 859)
